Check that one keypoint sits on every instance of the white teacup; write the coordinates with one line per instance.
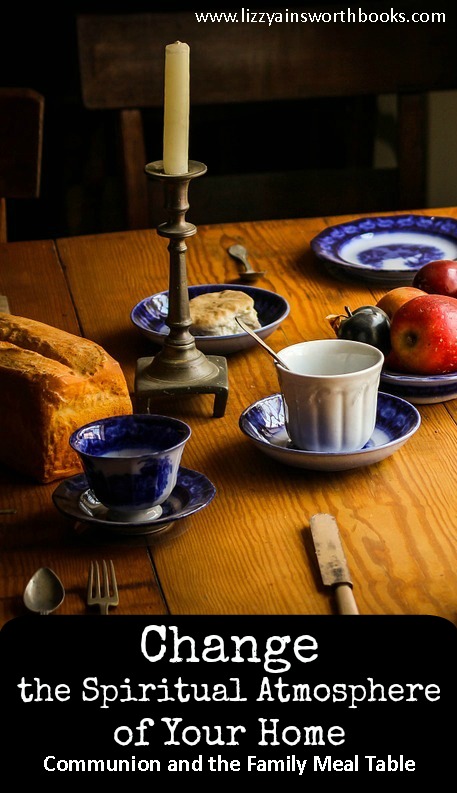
(330, 393)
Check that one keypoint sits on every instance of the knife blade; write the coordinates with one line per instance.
(4, 305)
(332, 561)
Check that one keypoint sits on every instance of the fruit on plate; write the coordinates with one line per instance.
(423, 336)
(392, 300)
(369, 324)
(393, 364)
(438, 277)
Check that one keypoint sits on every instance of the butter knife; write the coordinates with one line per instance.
(4, 305)
(332, 561)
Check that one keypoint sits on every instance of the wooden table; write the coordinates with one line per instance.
(249, 550)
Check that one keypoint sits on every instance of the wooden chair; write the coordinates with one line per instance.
(294, 83)
(21, 144)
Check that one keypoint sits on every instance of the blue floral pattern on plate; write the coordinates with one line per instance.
(263, 423)
(192, 492)
(150, 315)
(414, 256)
(387, 249)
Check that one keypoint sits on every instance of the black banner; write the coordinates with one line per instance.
(296, 697)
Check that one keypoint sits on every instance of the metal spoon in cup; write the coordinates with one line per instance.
(44, 592)
(261, 342)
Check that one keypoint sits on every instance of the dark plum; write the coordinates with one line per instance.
(368, 324)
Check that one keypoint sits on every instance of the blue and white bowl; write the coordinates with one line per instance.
(131, 462)
(150, 316)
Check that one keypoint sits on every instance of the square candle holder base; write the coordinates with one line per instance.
(147, 387)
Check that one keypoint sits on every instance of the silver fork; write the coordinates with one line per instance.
(105, 595)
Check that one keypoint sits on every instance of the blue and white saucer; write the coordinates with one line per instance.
(263, 423)
(192, 492)
(387, 249)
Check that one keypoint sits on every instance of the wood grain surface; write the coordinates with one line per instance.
(250, 550)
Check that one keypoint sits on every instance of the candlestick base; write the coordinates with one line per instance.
(213, 379)
(180, 367)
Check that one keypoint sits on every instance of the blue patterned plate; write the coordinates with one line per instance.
(192, 492)
(387, 249)
(150, 314)
(263, 422)
(419, 389)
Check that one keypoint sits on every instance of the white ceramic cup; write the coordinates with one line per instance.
(330, 393)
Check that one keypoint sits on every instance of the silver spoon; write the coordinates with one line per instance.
(240, 253)
(44, 592)
(262, 343)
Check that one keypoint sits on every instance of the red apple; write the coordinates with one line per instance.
(438, 277)
(423, 335)
(392, 300)
(392, 363)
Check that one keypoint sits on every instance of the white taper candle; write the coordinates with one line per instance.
(176, 109)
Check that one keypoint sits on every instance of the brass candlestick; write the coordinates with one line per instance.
(179, 366)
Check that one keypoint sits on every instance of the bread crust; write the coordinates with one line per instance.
(51, 383)
(214, 313)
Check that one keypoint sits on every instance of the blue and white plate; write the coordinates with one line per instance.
(387, 249)
(420, 389)
(150, 315)
(192, 492)
(263, 423)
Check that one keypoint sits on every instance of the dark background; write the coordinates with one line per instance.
(81, 186)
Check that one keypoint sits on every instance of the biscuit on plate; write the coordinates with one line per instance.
(214, 313)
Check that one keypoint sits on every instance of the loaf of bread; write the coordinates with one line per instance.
(214, 313)
(51, 383)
